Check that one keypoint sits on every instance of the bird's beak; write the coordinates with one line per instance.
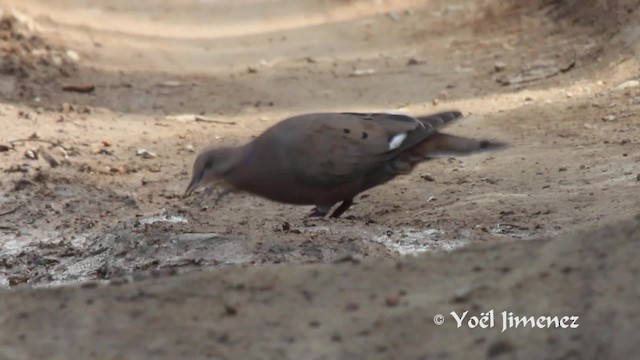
(192, 186)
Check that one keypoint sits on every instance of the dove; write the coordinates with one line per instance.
(323, 159)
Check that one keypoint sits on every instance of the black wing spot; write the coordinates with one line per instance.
(346, 131)
(484, 144)
(364, 135)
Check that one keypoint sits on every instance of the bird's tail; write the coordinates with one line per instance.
(443, 145)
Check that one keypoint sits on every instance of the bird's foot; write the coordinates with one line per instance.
(346, 204)
(317, 213)
(320, 211)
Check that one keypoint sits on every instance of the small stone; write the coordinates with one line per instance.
(393, 15)
(627, 85)
(609, 118)
(252, 70)
(392, 301)
(96, 149)
(363, 72)
(61, 151)
(462, 294)
(638, 178)
(352, 306)
(17, 279)
(431, 199)
(66, 108)
(314, 323)
(427, 177)
(57, 60)
(562, 168)
(230, 310)
(31, 154)
(17, 168)
(414, 61)
(171, 83)
(146, 154)
(499, 66)
(73, 56)
(182, 118)
(189, 148)
(435, 102)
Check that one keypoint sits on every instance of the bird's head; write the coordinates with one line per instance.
(212, 165)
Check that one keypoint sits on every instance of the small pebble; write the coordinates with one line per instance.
(31, 154)
(392, 301)
(427, 177)
(393, 15)
(352, 306)
(73, 56)
(130, 201)
(67, 108)
(146, 154)
(628, 85)
(57, 60)
(363, 72)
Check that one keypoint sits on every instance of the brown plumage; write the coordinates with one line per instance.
(325, 158)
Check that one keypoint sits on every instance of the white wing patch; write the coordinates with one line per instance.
(397, 140)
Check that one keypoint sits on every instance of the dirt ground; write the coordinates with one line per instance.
(92, 181)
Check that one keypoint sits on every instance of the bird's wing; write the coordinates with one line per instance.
(329, 149)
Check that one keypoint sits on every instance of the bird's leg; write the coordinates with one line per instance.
(346, 204)
(320, 211)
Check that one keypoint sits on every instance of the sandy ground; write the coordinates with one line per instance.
(77, 204)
